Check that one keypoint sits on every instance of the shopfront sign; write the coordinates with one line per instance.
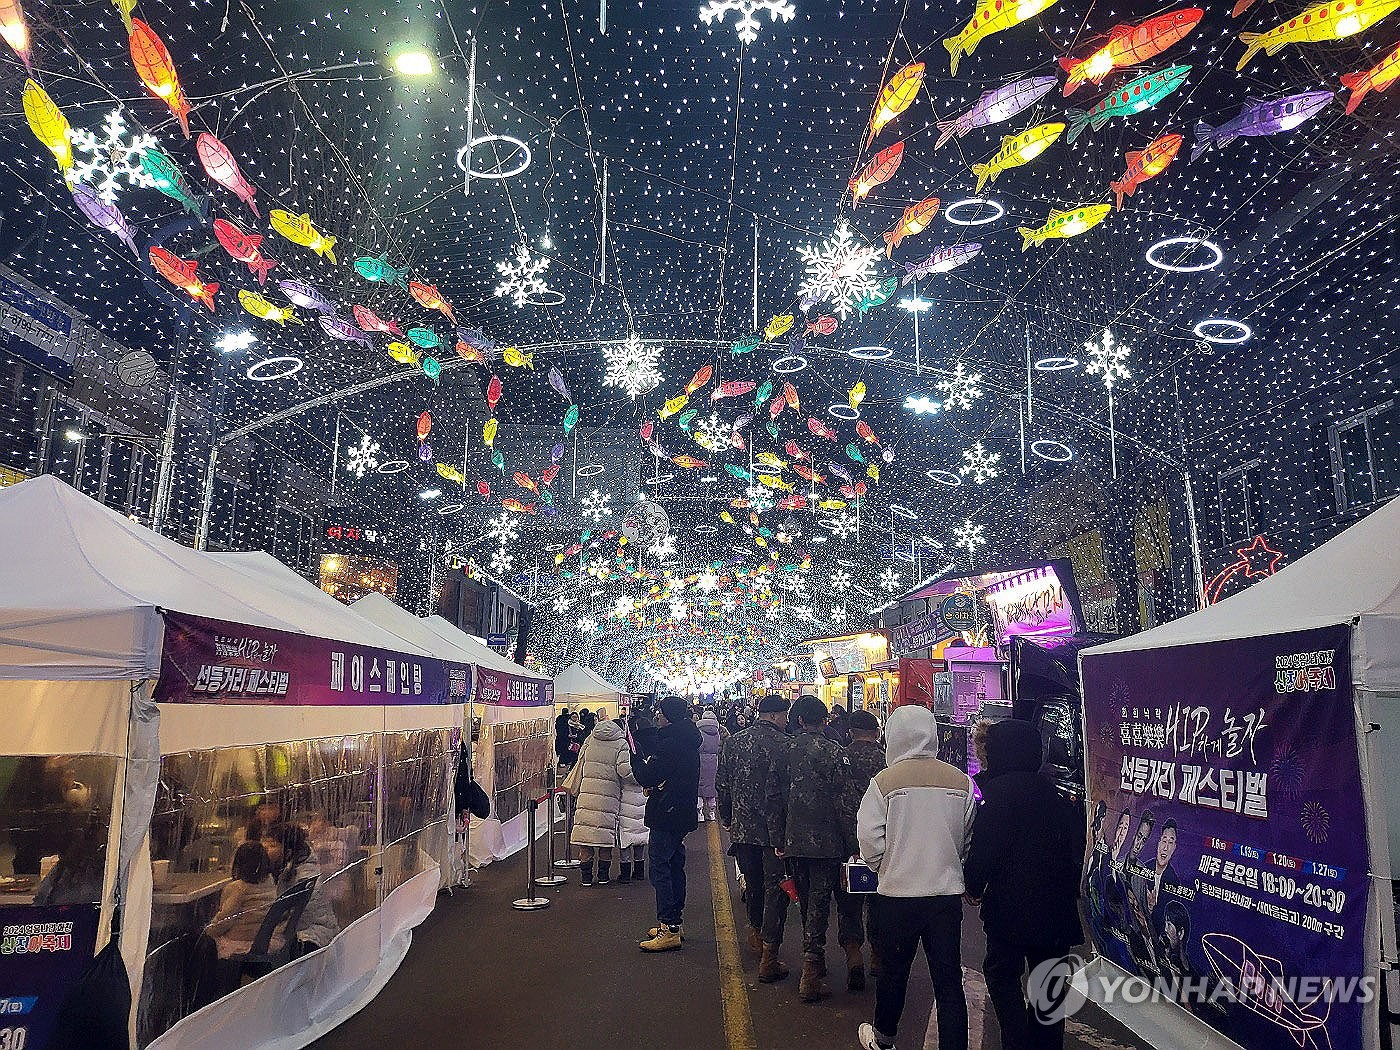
(44, 951)
(1230, 866)
(508, 690)
(922, 632)
(207, 661)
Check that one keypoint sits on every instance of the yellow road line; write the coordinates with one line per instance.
(733, 994)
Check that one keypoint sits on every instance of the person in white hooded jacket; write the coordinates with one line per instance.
(913, 827)
(604, 767)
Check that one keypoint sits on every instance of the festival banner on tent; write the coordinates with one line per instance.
(922, 632)
(44, 950)
(208, 661)
(509, 690)
(1229, 867)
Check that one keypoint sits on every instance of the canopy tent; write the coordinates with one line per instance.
(1314, 649)
(579, 686)
(101, 621)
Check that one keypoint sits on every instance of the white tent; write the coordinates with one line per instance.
(579, 686)
(86, 598)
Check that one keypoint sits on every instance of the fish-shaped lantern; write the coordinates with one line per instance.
(1130, 45)
(342, 330)
(915, 220)
(556, 383)
(369, 321)
(808, 473)
(549, 473)
(301, 231)
(793, 449)
(124, 8)
(157, 71)
(699, 379)
(244, 247)
(429, 297)
(880, 170)
(183, 274)
(432, 367)
(687, 417)
(940, 261)
(790, 396)
(990, 18)
(895, 97)
(1145, 164)
(498, 461)
(518, 507)
(746, 346)
(104, 216)
(1133, 97)
(167, 177)
(483, 489)
(450, 473)
(764, 393)
(1261, 118)
(1377, 78)
(425, 338)
(737, 471)
(488, 432)
(1017, 150)
(425, 426)
(493, 392)
(265, 310)
(377, 269)
(732, 388)
(856, 394)
(13, 29)
(513, 357)
(525, 482)
(219, 164)
(1065, 222)
(689, 462)
(824, 325)
(770, 460)
(853, 450)
(570, 418)
(671, 407)
(866, 434)
(995, 106)
(778, 326)
(872, 471)
(1334, 20)
(467, 352)
(879, 297)
(306, 295)
(646, 430)
(839, 471)
(404, 354)
(49, 124)
(820, 429)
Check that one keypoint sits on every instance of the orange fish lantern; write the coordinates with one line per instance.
(550, 473)
(157, 71)
(1145, 164)
(866, 434)
(467, 352)
(428, 296)
(689, 462)
(493, 392)
(14, 29)
(425, 427)
(182, 273)
(880, 170)
(808, 473)
(1377, 78)
(790, 396)
(896, 97)
(776, 406)
(699, 379)
(915, 220)
(517, 506)
(525, 481)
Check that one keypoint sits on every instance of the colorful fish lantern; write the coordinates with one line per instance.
(1130, 45)
(425, 452)
(793, 449)
(14, 30)
(265, 310)
(1145, 164)
(790, 396)
(776, 406)
(1261, 119)
(995, 106)
(879, 297)
(450, 473)
(244, 247)
(895, 97)
(49, 124)
(556, 382)
(778, 326)
(219, 164)
(307, 296)
(737, 471)
(880, 170)
(369, 321)
(1017, 150)
(990, 18)
(425, 426)
(866, 434)
(423, 338)
(854, 452)
(518, 507)
(1065, 222)
(1133, 97)
(167, 177)
(104, 216)
(488, 432)
(301, 231)
(1334, 20)
(915, 220)
(513, 357)
(570, 418)
(1377, 78)
(732, 388)
(549, 473)
(432, 367)
(940, 261)
(671, 407)
(404, 354)
(378, 270)
(689, 462)
(525, 482)
(699, 379)
(493, 392)
(820, 429)
(157, 71)
(429, 297)
(182, 273)
(856, 394)
(822, 326)
(483, 490)
(646, 430)
(687, 417)
(745, 346)
(467, 352)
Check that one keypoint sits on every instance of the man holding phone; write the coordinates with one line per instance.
(667, 764)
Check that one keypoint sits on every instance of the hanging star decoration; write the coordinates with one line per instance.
(521, 279)
(979, 464)
(961, 388)
(748, 25)
(969, 537)
(1254, 561)
(1107, 359)
(596, 506)
(362, 458)
(839, 270)
(111, 160)
(633, 365)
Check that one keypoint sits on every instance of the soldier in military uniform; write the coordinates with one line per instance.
(809, 825)
(867, 757)
(742, 784)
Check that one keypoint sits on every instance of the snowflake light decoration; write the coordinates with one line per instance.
(664, 548)
(838, 615)
(794, 585)
(587, 625)
(841, 581)
(503, 529)
(760, 497)
(890, 581)
(804, 612)
(632, 365)
(961, 388)
(839, 270)
(712, 433)
(679, 609)
(502, 561)
(624, 607)
(1106, 359)
(979, 464)
(599, 568)
(521, 279)
(840, 525)
(112, 159)
(727, 604)
(762, 584)
(748, 25)
(707, 582)
(771, 613)
(596, 506)
(562, 604)
(969, 537)
(362, 458)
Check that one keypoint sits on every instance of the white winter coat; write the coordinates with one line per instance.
(632, 829)
(607, 765)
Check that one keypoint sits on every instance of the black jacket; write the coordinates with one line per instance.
(667, 762)
(1027, 846)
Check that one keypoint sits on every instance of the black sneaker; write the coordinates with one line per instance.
(603, 872)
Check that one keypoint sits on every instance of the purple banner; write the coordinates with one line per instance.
(1228, 860)
(43, 952)
(208, 661)
(509, 690)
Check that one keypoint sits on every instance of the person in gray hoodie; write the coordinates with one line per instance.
(913, 826)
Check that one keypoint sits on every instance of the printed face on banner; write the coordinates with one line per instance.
(1228, 859)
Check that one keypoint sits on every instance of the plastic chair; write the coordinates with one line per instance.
(260, 960)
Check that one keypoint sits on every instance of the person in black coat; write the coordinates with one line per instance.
(564, 755)
(1023, 866)
(667, 764)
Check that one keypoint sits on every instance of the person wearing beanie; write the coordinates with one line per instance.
(1024, 866)
(668, 766)
(913, 826)
(867, 757)
(712, 737)
(742, 784)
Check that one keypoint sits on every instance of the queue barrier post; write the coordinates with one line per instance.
(569, 861)
(550, 878)
(530, 902)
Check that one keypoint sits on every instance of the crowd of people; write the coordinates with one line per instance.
(812, 801)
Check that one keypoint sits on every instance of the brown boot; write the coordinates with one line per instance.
(855, 969)
(809, 989)
(771, 968)
(755, 943)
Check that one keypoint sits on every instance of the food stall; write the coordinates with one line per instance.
(165, 708)
(578, 687)
(852, 671)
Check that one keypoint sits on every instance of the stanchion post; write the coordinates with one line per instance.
(569, 861)
(549, 878)
(530, 902)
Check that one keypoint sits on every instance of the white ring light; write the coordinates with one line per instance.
(1054, 451)
(1193, 243)
(451, 508)
(789, 364)
(660, 479)
(973, 202)
(591, 470)
(293, 365)
(843, 411)
(869, 353)
(394, 466)
(944, 477)
(903, 512)
(1239, 331)
(547, 298)
(1056, 364)
(462, 155)
(705, 530)
(554, 548)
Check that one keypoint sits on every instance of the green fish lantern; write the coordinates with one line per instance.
(571, 418)
(738, 472)
(432, 367)
(773, 431)
(425, 338)
(687, 417)
(377, 269)
(498, 461)
(167, 177)
(764, 393)
(854, 453)
(746, 346)
(879, 297)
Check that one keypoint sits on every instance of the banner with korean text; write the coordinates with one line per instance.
(208, 661)
(1228, 858)
(510, 690)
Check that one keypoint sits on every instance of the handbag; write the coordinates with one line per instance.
(857, 877)
(574, 781)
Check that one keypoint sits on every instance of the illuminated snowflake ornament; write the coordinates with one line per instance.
(748, 25)
(503, 529)
(762, 584)
(712, 433)
(521, 280)
(599, 568)
(707, 582)
(727, 604)
(890, 581)
(112, 159)
(679, 609)
(961, 388)
(587, 625)
(841, 525)
(596, 506)
(760, 497)
(1107, 359)
(838, 615)
(664, 548)
(362, 458)
(624, 607)
(794, 585)
(839, 270)
(562, 604)
(979, 464)
(633, 365)
(969, 537)
(841, 581)
(502, 562)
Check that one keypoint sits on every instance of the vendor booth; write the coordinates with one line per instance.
(1239, 772)
(578, 687)
(175, 723)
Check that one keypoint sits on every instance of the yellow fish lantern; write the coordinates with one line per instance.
(726, 517)
(873, 471)
(1333, 20)
(857, 395)
(832, 504)
(770, 460)
(403, 353)
(990, 18)
(778, 326)
(299, 230)
(488, 432)
(261, 308)
(450, 473)
(49, 124)
(670, 408)
(516, 359)
(759, 541)
(896, 97)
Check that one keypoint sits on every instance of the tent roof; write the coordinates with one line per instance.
(81, 596)
(578, 683)
(437, 635)
(1354, 576)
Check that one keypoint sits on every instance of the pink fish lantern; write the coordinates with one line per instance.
(220, 166)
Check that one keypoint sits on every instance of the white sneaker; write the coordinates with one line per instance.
(866, 1035)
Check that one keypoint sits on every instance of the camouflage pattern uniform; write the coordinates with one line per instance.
(866, 760)
(808, 799)
(741, 786)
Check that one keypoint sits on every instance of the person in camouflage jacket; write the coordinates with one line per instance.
(867, 757)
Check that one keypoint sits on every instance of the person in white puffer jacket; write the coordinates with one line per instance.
(606, 765)
(632, 833)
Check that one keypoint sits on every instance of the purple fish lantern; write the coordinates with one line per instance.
(557, 382)
(557, 453)
(425, 452)
(941, 261)
(343, 330)
(997, 105)
(1262, 118)
(103, 215)
(307, 296)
